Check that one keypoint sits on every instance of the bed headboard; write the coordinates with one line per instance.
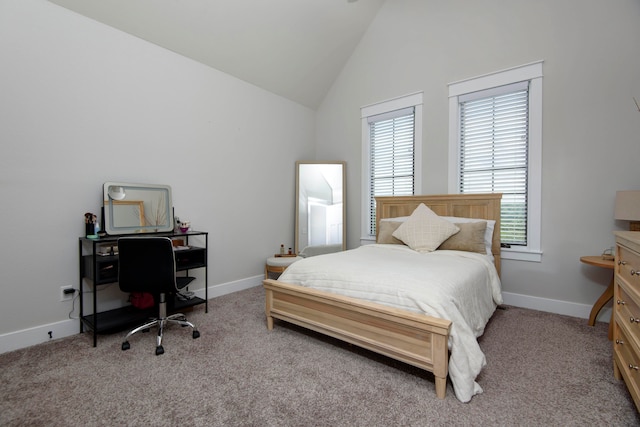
(484, 206)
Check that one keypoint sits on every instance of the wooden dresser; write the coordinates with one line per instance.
(626, 331)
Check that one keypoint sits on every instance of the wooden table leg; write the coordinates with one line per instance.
(604, 298)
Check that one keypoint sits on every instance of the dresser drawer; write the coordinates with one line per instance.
(628, 266)
(628, 313)
(628, 361)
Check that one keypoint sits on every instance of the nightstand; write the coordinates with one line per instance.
(278, 264)
(598, 261)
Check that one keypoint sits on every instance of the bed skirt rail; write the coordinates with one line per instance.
(416, 339)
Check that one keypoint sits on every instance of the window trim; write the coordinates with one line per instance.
(531, 72)
(414, 100)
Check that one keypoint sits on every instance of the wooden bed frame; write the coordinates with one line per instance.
(416, 339)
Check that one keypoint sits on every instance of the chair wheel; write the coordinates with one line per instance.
(125, 346)
(159, 350)
(196, 334)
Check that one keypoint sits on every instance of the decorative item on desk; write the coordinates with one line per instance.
(184, 225)
(99, 228)
(108, 249)
(608, 254)
(282, 249)
(90, 222)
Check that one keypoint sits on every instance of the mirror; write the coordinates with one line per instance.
(137, 208)
(320, 208)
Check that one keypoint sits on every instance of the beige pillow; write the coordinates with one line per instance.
(424, 231)
(470, 238)
(385, 233)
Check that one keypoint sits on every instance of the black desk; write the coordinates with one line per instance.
(97, 269)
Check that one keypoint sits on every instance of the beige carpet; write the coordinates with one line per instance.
(543, 369)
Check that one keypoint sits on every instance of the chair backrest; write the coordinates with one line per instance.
(146, 264)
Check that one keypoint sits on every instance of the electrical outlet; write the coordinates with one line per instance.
(67, 293)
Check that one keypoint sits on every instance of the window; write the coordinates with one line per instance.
(495, 147)
(493, 153)
(391, 156)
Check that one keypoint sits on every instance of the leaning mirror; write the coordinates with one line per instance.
(137, 208)
(320, 207)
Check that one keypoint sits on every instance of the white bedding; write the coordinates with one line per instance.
(459, 286)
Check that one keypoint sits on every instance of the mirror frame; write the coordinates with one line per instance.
(297, 200)
(109, 204)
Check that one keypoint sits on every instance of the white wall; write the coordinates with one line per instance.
(75, 96)
(591, 136)
(82, 103)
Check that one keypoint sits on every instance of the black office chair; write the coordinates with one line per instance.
(147, 264)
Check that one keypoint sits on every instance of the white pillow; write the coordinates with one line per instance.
(488, 234)
(424, 231)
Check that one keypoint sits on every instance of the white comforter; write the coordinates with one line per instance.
(459, 286)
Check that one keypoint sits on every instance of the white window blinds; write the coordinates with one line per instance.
(392, 155)
(494, 150)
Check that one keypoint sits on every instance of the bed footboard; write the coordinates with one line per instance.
(416, 339)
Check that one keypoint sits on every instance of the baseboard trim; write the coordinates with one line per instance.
(556, 306)
(40, 334)
(230, 287)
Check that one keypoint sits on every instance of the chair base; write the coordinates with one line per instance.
(161, 323)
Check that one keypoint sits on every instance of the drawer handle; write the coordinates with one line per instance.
(634, 367)
(634, 272)
(621, 262)
(619, 341)
(620, 302)
(634, 320)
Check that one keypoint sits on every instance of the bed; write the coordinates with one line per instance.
(422, 337)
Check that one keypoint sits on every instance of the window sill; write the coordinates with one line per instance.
(521, 255)
(368, 240)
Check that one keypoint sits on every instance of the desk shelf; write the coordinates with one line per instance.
(103, 269)
(123, 318)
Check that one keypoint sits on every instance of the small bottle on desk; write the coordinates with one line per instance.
(281, 249)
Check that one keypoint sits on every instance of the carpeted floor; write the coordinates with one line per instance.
(543, 369)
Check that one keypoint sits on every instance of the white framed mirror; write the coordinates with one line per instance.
(320, 207)
(137, 208)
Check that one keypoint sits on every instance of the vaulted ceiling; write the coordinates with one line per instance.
(293, 48)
